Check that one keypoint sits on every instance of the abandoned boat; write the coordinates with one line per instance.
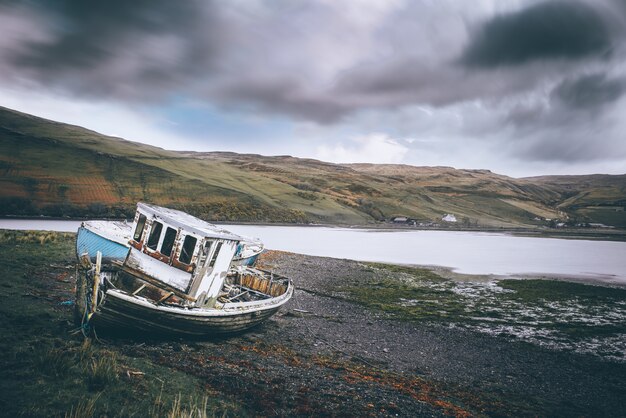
(112, 239)
(177, 278)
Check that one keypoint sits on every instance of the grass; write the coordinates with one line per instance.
(62, 170)
(187, 408)
(85, 408)
(50, 370)
(102, 371)
(558, 314)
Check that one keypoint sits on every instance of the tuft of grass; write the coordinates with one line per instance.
(55, 362)
(102, 371)
(85, 408)
(192, 408)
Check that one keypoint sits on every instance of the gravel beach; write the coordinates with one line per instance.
(326, 355)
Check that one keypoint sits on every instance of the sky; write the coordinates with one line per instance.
(521, 88)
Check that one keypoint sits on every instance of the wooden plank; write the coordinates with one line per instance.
(156, 283)
(139, 289)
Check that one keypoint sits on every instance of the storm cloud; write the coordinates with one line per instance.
(136, 50)
(526, 78)
(589, 91)
(550, 30)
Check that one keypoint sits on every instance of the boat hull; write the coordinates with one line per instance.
(121, 311)
(248, 261)
(89, 242)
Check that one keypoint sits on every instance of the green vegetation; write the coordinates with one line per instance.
(49, 369)
(55, 169)
(560, 314)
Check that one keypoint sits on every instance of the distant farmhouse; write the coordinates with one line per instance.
(448, 217)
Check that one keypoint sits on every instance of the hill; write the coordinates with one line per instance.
(57, 169)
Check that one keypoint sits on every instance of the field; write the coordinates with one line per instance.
(357, 339)
(54, 169)
(49, 368)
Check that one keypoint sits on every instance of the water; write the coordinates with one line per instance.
(464, 252)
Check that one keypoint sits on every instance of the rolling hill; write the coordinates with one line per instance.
(57, 169)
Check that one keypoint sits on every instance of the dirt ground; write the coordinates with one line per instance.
(324, 355)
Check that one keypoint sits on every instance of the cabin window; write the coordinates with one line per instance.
(168, 241)
(206, 249)
(187, 251)
(217, 250)
(141, 223)
(155, 234)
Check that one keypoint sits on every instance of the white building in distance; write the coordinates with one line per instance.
(448, 217)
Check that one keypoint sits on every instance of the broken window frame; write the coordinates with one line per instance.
(155, 231)
(168, 246)
(141, 225)
(206, 251)
(216, 253)
(187, 250)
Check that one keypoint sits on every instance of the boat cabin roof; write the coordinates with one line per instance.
(186, 222)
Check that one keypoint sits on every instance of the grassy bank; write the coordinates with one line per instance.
(50, 369)
(356, 340)
(56, 169)
(559, 314)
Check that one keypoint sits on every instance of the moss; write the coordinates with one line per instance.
(555, 290)
(50, 370)
(567, 315)
(417, 272)
(409, 294)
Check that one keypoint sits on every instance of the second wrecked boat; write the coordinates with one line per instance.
(177, 278)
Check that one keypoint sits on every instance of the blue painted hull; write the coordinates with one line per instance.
(90, 242)
(250, 261)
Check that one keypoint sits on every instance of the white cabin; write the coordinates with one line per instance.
(180, 253)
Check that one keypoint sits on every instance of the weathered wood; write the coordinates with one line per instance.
(139, 289)
(120, 313)
(141, 276)
(96, 282)
(85, 262)
(166, 297)
(80, 306)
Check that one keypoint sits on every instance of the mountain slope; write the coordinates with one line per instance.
(63, 170)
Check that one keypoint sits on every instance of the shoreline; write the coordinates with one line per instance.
(591, 234)
(611, 278)
(357, 339)
(449, 273)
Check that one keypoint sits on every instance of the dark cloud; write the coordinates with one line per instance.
(285, 96)
(578, 120)
(547, 30)
(325, 62)
(588, 91)
(127, 49)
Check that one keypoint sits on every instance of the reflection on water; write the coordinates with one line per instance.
(465, 252)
